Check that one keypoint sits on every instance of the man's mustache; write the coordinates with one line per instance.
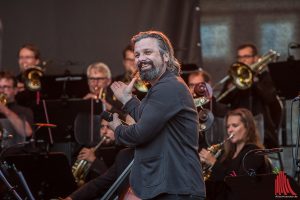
(146, 62)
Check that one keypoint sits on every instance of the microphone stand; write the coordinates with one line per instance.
(24, 183)
(297, 160)
(8, 185)
(33, 148)
(118, 182)
(260, 152)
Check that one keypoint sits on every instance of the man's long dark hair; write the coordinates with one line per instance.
(165, 47)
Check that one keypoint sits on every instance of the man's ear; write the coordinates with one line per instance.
(108, 81)
(166, 57)
(37, 62)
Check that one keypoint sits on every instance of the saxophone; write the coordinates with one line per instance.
(215, 150)
(81, 168)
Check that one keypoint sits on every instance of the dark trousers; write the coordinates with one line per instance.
(177, 197)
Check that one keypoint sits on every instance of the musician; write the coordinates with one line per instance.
(128, 64)
(99, 79)
(29, 56)
(260, 98)
(241, 124)
(19, 117)
(98, 186)
(94, 156)
(194, 78)
(165, 136)
(218, 109)
(130, 70)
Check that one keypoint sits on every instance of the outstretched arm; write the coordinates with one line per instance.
(22, 127)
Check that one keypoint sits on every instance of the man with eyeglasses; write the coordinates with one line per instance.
(260, 98)
(247, 54)
(19, 117)
(99, 78)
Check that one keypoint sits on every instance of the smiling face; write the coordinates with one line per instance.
(237, 127)
(149, 60)
(27, 59)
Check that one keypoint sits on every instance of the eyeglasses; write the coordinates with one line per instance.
(104, 126)
(97, 78)
(191, 85)
(6, 87)
(26, 57)
(245, 56)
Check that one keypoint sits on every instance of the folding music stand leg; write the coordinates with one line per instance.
(8, 185)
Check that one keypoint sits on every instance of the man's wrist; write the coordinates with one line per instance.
(126, 99)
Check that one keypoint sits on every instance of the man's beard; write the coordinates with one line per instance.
(149, 74)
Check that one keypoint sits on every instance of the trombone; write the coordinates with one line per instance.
(242, 75)
(32, 78)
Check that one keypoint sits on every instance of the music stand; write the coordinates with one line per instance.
(285, 76)
(67, 86)
(63, 114)
(48, 175)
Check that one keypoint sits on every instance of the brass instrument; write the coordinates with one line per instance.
(215, 150)
(242, 75)
(3, 99)
(80, 168)
(32, 78)
(100, 94)
(139, 84)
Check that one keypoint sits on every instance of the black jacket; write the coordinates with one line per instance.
(165, 138)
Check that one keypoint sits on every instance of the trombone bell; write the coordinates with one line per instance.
(32, 78)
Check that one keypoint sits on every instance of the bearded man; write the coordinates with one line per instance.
(165, 135)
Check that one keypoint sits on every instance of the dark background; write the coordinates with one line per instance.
(72, 34)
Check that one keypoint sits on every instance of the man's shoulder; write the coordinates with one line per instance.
(20, 109)
(171, 80)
